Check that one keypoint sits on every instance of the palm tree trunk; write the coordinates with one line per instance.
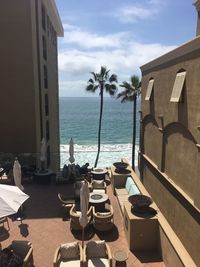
(134, 132)
(99, 132)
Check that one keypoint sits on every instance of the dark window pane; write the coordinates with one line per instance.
(45, 77)
(44, 46)
(43, 18)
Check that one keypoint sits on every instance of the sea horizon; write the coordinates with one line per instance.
(79, 117)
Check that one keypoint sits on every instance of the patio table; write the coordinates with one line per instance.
(98, 200)
(120, 256)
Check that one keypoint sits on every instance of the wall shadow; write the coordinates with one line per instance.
(108, 236)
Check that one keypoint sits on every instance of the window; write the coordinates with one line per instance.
(46, 105)
(45, 77)
(44, 46)
(178, 87)
(149, 89)
(48, 21)
(43, 18)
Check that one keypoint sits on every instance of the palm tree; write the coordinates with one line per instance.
(104, 82)
(131, 92)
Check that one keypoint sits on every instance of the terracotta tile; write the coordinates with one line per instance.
(45, 228)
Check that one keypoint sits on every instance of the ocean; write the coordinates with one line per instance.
(79, 119)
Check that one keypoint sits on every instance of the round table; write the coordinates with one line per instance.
(98, 200)
(99, 174)
(120, 255)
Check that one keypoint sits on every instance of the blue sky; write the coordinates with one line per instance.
(119, 34)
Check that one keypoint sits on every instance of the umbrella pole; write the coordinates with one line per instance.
(82, 237)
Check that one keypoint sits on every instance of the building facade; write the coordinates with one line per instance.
(170, 138)
(29, 78)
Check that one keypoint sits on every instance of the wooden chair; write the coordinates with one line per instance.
(103, 220)
(98, 186)
(5, 220)
(74, 218)
(68, 255)
(66, 203)
(24, 249)
(97, 253)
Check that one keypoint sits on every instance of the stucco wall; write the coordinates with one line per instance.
(175, 210)
(16, 84)
(170, 138)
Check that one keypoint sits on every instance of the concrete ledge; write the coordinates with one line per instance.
(172, 250)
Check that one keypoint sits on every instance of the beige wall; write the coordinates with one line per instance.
(22, 83)
(17, 118)
(170, 158)
(51, 91)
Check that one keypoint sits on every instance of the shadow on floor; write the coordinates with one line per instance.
(88, 233)
(4, 234)
(146, 257)
(108, 236)
(24, 229)
(121, 264)
(43, 201)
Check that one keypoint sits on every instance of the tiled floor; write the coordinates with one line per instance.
(45, 228)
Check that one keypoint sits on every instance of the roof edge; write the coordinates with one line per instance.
(174, 54)
(55, 17)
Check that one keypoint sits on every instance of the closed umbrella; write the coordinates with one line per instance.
(43, 152)
(17, 174)
(84, 202)
(71, 151)
(11, 199)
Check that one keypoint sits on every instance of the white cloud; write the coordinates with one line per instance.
(133, 13)
(118, 52)
(74, 35)
(125, 58)
(124, 62)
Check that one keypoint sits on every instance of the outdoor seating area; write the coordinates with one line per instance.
(52, 220)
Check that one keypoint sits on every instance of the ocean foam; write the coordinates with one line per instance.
(109, 154)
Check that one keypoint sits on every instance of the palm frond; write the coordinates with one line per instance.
(107, 75)
(103, 71)
(91, 81)
(90, 88)
(94, 75)
(135, 81)
(113, 89)
(124, 99)
(113, 78)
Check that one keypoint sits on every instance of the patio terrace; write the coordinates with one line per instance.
(46, 229)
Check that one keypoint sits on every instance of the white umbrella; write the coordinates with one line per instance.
(84, 202)
(17, 174)
(11, 198)
(43, 150)
(71, 151)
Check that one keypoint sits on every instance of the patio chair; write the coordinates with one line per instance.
(23, 249)
(97, 253)
(74, 218)
(68, 255)
(77, 188)
(98, 186)
(5, 220)
(66, 202)
(103, 221)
